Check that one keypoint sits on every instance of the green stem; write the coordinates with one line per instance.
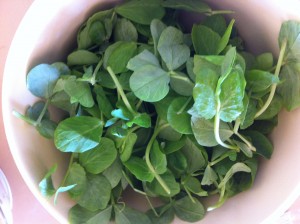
(24, 118)
(93, 79)
(216, 12)
(151, 206)
(212, 163)
(68, 170)
(38, 121)
(236, 132)
(216, 130)
(177, 76)
(138, 104)
(147, 158)
(120, 90)
(185, 105)
(273, 87)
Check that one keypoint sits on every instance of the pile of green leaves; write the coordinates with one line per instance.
(169, 113)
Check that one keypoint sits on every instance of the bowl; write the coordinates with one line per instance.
(47, 33)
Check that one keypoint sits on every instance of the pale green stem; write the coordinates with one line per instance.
(38, 121)
(147, 158)
(120, 90)
(93, 79)
(273, 87)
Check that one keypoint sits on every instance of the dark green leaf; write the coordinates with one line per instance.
(124, 30)
(170, 181)
(76, 175)
(127, 215)
(209, 177)
(258, 80)
(150, 83)
(127, 147)
(158, 159)
(204, 131)
(188, 210)
(47, 128)
(33, 112)
(41, 80)
(104, 103)
(181, 84)
(142, 120)
(178, 117)
(143, 59)
(79, 215)
(140, 11)
(217, 23)
(273, 109)
(139, 169)
(99, 158)
(97, 195)
(82, 57)
(205, 40)
(187, 5)
(193, 185)
(177, 163)
(173, 146)
(78, 134)
(114, 173)
(46, 185)
(171, 48)
(102, 217)
(165, 217)
(264, 61)
(262, 144)
(118, 54)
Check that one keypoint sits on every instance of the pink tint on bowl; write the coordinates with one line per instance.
(47, 32)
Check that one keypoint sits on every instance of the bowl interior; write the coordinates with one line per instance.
(47, 33)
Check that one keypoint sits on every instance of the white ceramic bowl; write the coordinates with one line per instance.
(46, 34)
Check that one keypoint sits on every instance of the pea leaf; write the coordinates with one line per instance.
(124, 30)
(273, 109)
(204, 94)
(97, 195)
(118, 54)
(79, 215)
(76, 176)
(187, 5)
(262, 144)
(99, 158)
(78, 134)
(258, 80)
(114, 173)
(150, 83)
(170, 181)
(127, 215)
(225, 38)
(165, 217)
(209, 177)
(46, 185)
(193, 185)
(62, 190)
(158, 159)
(177, 163)
(205, 40)
(82, 57)
(41, 80)
(103, 217)
(178, 117)
(156, 28)
(173, 146)
(189, 211)
(46, 128)
(142, 59)
(34, 111)
(217, 23)
(264, 61)
(140, 119)
(139, 169)
(171, 48)
(79, 92)
(127, 147)
(181, 84)
(195, 154)
(204, 131)
(140, 11)
(289, 30)
(103, 102)
(231, 96)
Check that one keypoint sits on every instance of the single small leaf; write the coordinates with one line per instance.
(158, 159)
(225, 38)
(97, 195)
(103, 217)
(142, 59)
(78, 134)
(82, 57)
(76, 176)
(62, 190)
(140, 119)
(165, 217)
(150, 83)
(188, 210)
(258, 80)
(114, 173)
(140, 11)
(193, 185)
(204, 131)
(127, 147)
(187, 5)
(156, 28)
(34, 111)
(205, 40)
(46, 185)
(139, 169)
(127, 215)
(178, 117)
(41, 80)
(209, 177)
(118, 54)
(170, 147)
(177, 163)
(99, 158)
(47, 128)
(182, 84)
(124, 30)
